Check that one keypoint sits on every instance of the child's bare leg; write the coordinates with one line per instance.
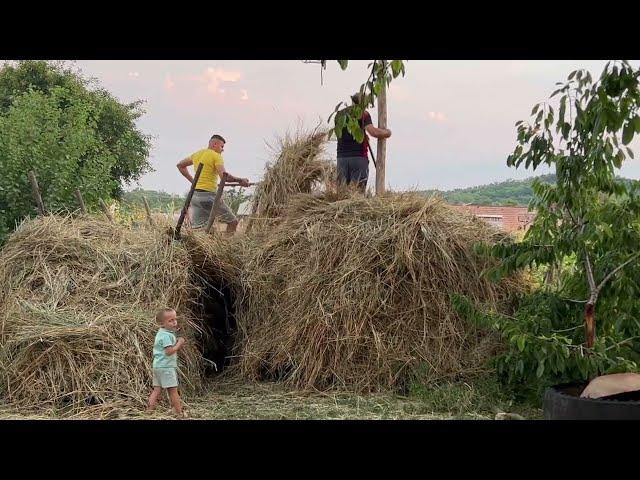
(153, 398)
(176, 403)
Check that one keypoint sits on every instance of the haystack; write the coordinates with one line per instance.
(78, 299)
(355, 293)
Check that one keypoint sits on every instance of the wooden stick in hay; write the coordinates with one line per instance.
(36, 192)
(187, 202)
(106, 211)
(148, 210)
(216, 202)
(83, 208)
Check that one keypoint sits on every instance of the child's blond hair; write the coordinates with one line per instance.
(161, 314)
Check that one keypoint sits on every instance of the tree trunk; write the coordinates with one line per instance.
(382, 142)
(548, 277)
(590, 324)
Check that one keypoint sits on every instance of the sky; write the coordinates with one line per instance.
(452, 121)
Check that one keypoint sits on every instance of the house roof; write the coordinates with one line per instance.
(510, 219)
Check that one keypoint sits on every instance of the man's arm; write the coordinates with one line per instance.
(184, 170)
(377, 132)
(232, 178)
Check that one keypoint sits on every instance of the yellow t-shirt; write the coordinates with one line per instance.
(209, 176)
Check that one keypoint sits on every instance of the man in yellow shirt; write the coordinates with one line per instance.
(204, 193)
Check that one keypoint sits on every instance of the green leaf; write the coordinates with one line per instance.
(636, 123)
(540, 369)
(396, 67)
(627, 133)
(521, 343)
(343, 64)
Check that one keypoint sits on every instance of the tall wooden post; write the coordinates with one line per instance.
(382, 142)
(105, 210)
(148, 210)
(36, 192)
(83, 208)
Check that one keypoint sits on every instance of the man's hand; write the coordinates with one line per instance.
(388, 133)
(184, 170)
(244, 182)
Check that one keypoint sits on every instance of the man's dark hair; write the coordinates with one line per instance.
(218, 137)
(356, 98)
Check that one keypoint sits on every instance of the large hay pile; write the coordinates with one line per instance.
(355, 293)
(78, 300)
(329, 292)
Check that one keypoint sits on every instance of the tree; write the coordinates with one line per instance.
(115, 122)
(71, 136)
(381, 73)
(235, 198)
(588, 214)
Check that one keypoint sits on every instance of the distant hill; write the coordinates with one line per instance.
(510, 192)
(163, 201)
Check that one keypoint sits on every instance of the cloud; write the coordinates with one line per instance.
(399, 92)
(133, 74)
(215, 78)
(169, 84)
(438, 117)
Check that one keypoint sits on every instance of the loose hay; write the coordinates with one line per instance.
(298, 168)
(355, 293)
(77, 305)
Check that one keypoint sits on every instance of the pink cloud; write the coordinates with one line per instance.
(218, 84)
(215, 78)
(399, 93)
(438, 117)
(169, 84)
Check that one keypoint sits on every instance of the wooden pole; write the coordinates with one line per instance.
(106, 211)
(216, 202)
(83, 208)
(36, 192)
(187, 202)
(148, 210)
(382, 142)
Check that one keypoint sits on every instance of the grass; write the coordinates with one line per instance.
(226, 399)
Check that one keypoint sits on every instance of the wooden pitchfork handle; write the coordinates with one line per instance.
(187, 202)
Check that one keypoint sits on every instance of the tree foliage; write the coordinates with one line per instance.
(70, 132)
